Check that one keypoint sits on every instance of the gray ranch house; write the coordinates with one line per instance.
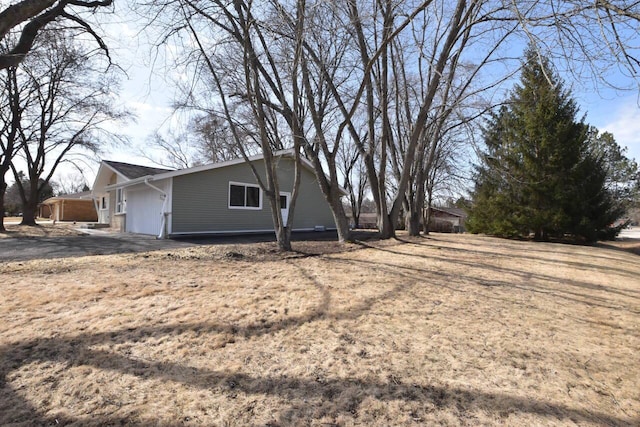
(219, 198)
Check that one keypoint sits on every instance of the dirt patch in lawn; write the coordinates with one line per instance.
(447, 330)
(40, 230)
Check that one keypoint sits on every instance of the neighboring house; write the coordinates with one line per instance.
(70, 207)
(367, 220)
(219, 198)
(448, 220)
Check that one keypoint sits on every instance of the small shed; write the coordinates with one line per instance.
(70, 207)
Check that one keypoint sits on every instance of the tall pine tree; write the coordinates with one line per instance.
(538, 174)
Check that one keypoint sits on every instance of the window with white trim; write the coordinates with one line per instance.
(244, 196)
(121, 202)
(103, 203)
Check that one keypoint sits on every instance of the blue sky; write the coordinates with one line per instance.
(619, 116)
(150, 96)
(148, 93)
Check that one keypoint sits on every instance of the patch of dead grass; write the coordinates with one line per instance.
(628, 245)
(41, 230)
(449, 330)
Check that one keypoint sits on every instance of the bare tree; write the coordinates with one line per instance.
(352, 168)
(586, 39)
(400, 70)
(174, 151)
(214, 140)
(10, 115)
(446, 174)
(70, 104)
(69, 183)
(459, 45)
(205, 139)
(232, 56)
(30, 17)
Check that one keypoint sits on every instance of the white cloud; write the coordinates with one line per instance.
(145, 107)
(624, 124)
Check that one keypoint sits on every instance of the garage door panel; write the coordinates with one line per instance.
(144, 211)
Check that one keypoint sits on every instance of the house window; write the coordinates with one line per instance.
(103, 202)
(120, 201)
(244, 196)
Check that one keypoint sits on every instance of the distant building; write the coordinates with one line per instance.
(447, 220)
(70, 207)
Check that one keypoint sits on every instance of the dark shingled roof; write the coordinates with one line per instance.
(452, 211)
(134, 171)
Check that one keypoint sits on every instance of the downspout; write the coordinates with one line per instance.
(163, 221)
(96, 206)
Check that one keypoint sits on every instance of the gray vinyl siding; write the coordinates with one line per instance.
(200, 201)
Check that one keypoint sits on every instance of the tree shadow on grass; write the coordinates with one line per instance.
(328, 392)
(512, 255)
(77, 351)
(336, 396)
(447, 280)
(627, 293)
(628, 246)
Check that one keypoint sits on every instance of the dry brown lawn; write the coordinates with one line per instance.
(61, 229)
(449, 330)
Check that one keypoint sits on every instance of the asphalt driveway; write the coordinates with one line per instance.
(91, 244)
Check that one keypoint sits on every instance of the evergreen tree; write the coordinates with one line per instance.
(538, 174)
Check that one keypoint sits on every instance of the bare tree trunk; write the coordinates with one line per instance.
(29, 213)
(340, 218)
(541, 234)
(427, 214)
(414, 218)
(388, 226)
(11, 126)
(356, 218)
(29, 204)
(385, 226)
(416, 196)
(283, 234)
(3, 190)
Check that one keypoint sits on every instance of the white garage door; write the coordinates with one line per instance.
(144, 211)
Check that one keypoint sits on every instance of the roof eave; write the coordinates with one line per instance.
(132, 182)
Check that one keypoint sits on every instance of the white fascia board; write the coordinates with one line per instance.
(132, 182)
(95, 181)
